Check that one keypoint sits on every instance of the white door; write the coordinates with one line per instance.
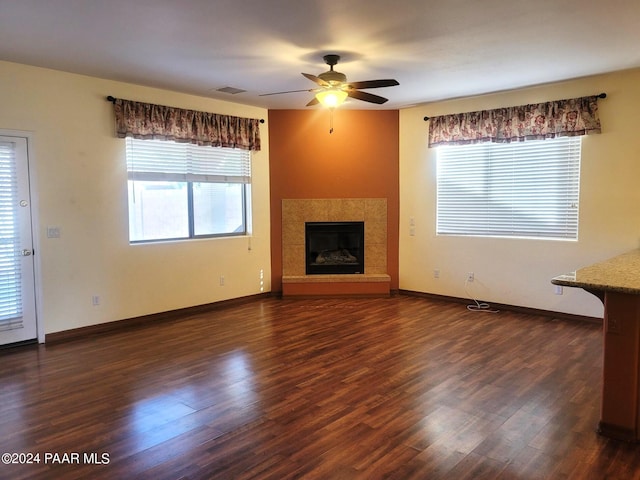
(17, 278)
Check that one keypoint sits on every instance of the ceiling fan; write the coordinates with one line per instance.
(333, 87)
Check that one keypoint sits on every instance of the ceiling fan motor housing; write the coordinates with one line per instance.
(332, 77)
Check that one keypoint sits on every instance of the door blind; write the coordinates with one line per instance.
(10, 266)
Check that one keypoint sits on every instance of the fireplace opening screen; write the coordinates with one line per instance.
(334, 247)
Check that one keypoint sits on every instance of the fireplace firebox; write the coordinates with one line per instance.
(334, 247)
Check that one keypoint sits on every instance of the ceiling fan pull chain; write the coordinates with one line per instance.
(331, 120)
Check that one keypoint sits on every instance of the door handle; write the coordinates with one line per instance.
(26, 253)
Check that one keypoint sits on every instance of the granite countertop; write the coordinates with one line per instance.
(618, 274)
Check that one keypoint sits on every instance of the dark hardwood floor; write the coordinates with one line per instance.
(399, 387)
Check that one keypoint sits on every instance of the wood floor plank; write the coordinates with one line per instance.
(401, 387)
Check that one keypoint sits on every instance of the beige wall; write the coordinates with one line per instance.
(81, 187)
(518, 271)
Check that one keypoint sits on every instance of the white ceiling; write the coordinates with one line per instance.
(436, 49)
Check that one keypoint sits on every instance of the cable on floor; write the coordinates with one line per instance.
(478, 306)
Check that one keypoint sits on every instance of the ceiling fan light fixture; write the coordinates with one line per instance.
(331, 97)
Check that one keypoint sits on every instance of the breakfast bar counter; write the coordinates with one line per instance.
(617, 283)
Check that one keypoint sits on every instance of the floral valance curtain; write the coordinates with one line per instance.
(149, 121)
(576, 116)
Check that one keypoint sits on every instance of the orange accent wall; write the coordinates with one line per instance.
(360, 159)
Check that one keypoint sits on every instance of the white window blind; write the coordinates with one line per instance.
(10, 269)
(520, 189)
(159, 160)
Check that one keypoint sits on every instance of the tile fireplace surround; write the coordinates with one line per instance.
(373, 211)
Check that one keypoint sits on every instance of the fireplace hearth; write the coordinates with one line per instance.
(334, 248)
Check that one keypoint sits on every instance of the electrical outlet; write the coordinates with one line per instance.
(221, 280)
(558, 290)
(95, 300)
(470, 277)
(436, 273)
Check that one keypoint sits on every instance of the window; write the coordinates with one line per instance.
(181, 190)
(520, 189)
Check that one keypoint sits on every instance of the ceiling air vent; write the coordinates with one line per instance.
(231, 90)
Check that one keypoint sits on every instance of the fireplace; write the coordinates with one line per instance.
(334, 247)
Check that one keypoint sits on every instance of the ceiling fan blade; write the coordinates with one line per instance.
(314, 101)
(389, 82)
(280, 93)
(318, 80)
(367, 97)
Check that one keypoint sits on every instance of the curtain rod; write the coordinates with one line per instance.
(113, 99)
(600, 95)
